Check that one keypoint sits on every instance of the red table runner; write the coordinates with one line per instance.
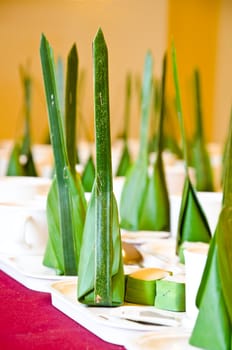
(29, 321)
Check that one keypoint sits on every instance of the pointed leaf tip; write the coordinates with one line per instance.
(99, 36)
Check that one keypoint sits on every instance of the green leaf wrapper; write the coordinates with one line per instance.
(137, 178)
(212, 330)
(70, 107)
(141, 285)
(170, 295)
(214, 294)
(21, 162)
(125, 160)
(155, 208)
(192, 223)
(101, 276)
(201, 160)
(66, 204)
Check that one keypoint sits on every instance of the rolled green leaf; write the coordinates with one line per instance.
(216, 333)
(201, 160)
(141, 285)
(155, 208)
(192, 223)
(60, 84)
(125, 160)
(88, 175)
(66, 203)
(21, 162)
(214, 293)
(137, 178)
(101, 277)
(70, 107)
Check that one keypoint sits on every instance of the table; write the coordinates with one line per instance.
(28, 321)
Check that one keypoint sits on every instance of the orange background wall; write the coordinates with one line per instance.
(201, 30)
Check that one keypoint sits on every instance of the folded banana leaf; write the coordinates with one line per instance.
(214, 294)
(200, 156)
(21, 162)
(60, 83)
(155, 208)
(192, 223)
(88, 175)
(70, 107)
(137, 178)
(66, 204)
(101, 276)
(125, 160)
(212, 329)
(141, 285)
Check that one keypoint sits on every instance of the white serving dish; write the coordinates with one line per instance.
(30, 272)
(103, 321)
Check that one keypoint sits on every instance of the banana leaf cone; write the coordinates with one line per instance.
(88, 175)
(66, 204)
(213, 326)
(155, 208)
(15, 167)
(137, 177)
(192, 223)
(214, 294)
(21, 162)
(200, 156)
(101, 276)
(125, 161)
(54, 253)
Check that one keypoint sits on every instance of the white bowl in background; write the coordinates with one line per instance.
(24, 228)
(22, 188)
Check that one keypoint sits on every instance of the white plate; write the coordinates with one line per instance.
(100, 320)
(142, 237)
(169, 341)
(30, 271)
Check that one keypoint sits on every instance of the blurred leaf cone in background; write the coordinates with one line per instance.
(201, 160)
(21, 161)
(125, 159)
(155, 209)
(192, 223)
(137, 178)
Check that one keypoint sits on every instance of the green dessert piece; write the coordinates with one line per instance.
(170, 294)
(141, 285)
